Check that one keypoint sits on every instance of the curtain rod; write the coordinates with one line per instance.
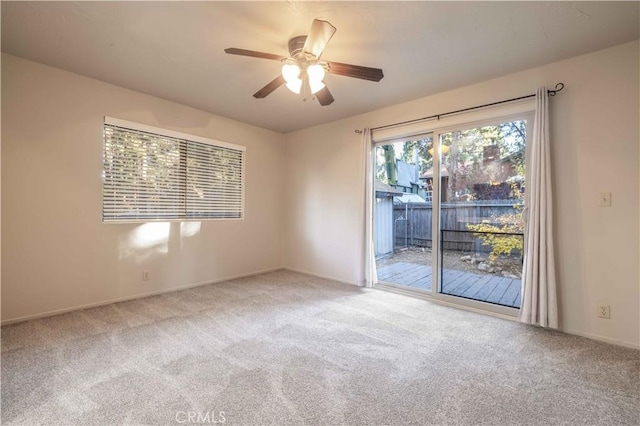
(558, 88)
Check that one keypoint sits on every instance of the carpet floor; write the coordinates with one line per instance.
(288, 349)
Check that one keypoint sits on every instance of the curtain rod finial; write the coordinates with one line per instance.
(558, 88)
(358, 131)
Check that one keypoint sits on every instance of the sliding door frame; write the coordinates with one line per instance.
(491, 116)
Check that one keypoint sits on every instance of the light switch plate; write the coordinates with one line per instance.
(605, 199)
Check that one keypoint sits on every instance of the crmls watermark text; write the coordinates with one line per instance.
(200, 417)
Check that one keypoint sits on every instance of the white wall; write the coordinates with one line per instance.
(57, 254)
(595, 137)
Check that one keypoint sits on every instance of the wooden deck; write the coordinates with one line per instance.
(486, 288)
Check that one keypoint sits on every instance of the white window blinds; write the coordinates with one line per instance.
(151, 173)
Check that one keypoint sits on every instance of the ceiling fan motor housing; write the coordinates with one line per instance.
(301, 58)
(296, 44)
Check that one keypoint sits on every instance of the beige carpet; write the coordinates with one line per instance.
(288, 349)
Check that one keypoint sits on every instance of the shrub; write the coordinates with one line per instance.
(506, 223)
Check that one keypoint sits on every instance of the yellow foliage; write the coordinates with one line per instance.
(511, 223)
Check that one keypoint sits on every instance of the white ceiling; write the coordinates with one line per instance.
(174, 50)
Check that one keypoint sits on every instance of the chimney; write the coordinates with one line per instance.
(490, 153)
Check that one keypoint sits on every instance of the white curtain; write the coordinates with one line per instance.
(366, 274)
(539, 302)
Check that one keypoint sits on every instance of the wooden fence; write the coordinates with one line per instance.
(413, 223)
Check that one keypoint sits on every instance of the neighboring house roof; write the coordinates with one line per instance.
(384, 190)
(406, 174)
(409, 198)
(429, 173)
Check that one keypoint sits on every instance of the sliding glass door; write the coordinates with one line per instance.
(448, 213)
(403, 213)
(480, 205)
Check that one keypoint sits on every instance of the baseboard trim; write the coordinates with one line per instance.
(133, 297)
(604, 339)
(397, 290)
(313, 274)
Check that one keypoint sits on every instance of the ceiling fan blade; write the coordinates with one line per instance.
(325, 97)
(355, 71)
(319, 35)
(273, 85)
(253, 54)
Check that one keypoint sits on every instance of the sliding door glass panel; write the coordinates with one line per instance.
(403, 211)
(480, 215)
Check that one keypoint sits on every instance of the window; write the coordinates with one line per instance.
(151, 173)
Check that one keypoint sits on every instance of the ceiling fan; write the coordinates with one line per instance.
(303, 71)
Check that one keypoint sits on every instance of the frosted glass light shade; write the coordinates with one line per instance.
(290, 72)
(315, 86)
(315, 73)
(295, 86)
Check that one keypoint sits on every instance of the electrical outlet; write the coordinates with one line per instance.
(604, 311)
(605, 199)
(145, 276)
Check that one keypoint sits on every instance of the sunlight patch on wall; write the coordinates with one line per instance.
(189, 229)
(150, 235)
(154, 238)
(146, 240)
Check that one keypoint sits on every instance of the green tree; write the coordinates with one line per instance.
(390, 164)
(463, 150)
(422, 146)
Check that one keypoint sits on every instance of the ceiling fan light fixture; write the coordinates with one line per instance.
(295, 85)
(315, 86)
(291, 72)
(315, 73)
